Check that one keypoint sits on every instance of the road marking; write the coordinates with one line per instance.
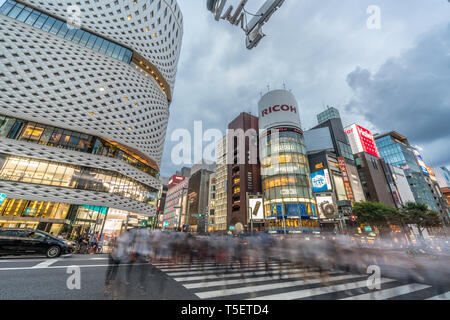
(72, 258)
(62, 267)
(230, 274)
(212, 270)
(45, 264)
(389, 293)
(209, 266)
(316, 291)
(444, 296)
(250, 289)
(292, 275)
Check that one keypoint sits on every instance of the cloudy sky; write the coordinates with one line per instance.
(393, 78)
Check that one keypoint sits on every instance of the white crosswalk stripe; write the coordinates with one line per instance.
(253, 283)
(389, 293)
(317, 291)
(444, 296)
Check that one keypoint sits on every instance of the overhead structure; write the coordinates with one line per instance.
(252, 29)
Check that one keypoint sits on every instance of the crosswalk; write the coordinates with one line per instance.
(287, 282)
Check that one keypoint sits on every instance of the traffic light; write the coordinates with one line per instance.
(353, 217)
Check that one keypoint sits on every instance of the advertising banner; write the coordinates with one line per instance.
(320, 181)
(361, 140)
(346, 179)
(422, 164)
(2, 197)
(278, 108)
(256, 209)
(326, 207)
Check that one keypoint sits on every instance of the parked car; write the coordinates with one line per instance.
(20, 241)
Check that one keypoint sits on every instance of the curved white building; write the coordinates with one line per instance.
(83, 108)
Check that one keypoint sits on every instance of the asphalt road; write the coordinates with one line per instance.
(35, 278)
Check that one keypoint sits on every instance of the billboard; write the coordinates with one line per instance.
(422, 164)
(2, 197)
(320, 181)
(256, 210)
(327, 210)
(361, 140)
(174, 180)
(346, 179)
(278, 108)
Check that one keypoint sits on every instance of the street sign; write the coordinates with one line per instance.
(2, 197)
(369, 229)
(231, 227)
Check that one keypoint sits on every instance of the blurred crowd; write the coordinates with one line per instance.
(137, 248)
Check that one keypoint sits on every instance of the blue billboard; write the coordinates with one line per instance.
(320, 181)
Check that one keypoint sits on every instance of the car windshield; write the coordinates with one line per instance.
(37, 235)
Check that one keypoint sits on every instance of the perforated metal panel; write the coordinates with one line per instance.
(51, 80)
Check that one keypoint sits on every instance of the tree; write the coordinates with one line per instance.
(376, 213)
(420, 215)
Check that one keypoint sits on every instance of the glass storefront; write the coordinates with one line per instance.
(43, 215)
(33, 132)
(288, 201)
(23, 169)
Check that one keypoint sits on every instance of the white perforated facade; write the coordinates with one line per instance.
(54, 81)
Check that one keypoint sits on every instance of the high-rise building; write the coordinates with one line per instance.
(84, 109)
(397, 151)
(335, 185)
(198, 195)
(176, 206)
(329, 113)
(212, 202)
(220, 212)
(330, 155)
(442, 175)
(375, 175)
(243, 171)
(373, 179)
(288, 202)
(341, 145)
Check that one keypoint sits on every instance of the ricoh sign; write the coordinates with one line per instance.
(278, 108)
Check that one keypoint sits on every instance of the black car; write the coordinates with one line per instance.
(19, 241)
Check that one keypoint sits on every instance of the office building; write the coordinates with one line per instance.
(289, 206)
(176, 206)
(243, 170)
(220, 211)
(198, 200)
(397, 151)
(329, 113)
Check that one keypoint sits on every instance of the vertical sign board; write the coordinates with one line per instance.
(2, 198)
(345, 178)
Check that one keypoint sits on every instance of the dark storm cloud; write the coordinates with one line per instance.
(311, 46)
(411, 94)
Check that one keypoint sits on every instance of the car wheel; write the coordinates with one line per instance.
(53, 252)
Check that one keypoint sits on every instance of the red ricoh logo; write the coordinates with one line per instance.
(278, 108)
